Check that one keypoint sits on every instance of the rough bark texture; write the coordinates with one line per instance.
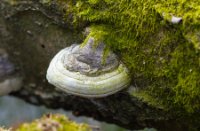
(33, 32)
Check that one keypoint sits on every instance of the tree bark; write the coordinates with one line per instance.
(32, 32)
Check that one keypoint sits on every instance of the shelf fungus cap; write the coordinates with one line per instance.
(84, 71)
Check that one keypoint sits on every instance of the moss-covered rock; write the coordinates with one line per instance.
(163, 58)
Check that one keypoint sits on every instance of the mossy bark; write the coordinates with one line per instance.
(34, 31)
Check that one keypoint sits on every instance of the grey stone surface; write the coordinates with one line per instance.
(6, 67)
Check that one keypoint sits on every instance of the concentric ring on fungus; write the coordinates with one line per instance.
(83, 84)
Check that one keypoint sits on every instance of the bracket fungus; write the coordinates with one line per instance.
(83, 71)
(9, 79)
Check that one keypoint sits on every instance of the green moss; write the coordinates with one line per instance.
(163, 58)
(53, 122)
(143, 96)
(189, 11)
(193, 36)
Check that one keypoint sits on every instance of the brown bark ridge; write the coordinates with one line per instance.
(32, 32)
